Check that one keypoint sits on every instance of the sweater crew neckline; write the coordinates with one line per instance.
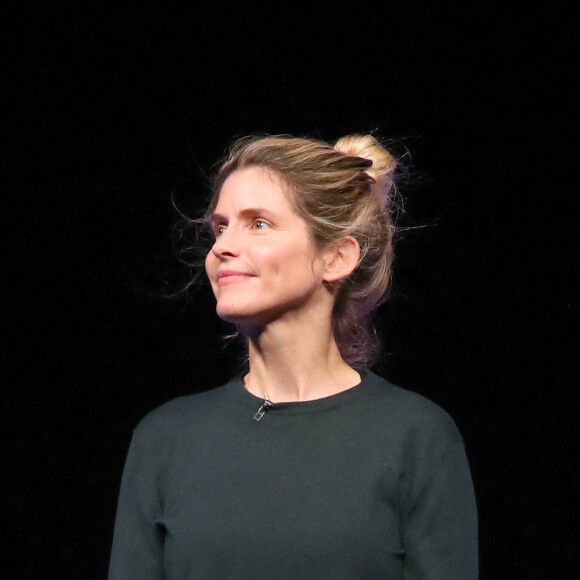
(236, 389)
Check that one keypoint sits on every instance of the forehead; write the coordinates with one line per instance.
(253, 184)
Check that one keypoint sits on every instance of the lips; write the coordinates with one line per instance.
(231, 276)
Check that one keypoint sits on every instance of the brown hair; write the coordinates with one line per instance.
(340, 190)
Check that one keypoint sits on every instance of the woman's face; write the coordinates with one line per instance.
(263, 264)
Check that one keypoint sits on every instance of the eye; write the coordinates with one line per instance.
(261, 224)
(219, 230)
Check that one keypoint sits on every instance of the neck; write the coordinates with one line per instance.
(296, 363)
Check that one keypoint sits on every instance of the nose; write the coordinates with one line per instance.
(225, 246)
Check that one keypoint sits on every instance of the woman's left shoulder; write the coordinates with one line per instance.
(412, 412)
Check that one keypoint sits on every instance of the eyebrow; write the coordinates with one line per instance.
(246, 213)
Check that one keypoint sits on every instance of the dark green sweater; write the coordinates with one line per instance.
(370, 483)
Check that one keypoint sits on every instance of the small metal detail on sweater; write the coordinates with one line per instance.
(262, 410)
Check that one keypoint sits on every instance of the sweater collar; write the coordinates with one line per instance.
(236, 389)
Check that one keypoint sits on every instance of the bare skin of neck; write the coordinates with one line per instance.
(293, 361)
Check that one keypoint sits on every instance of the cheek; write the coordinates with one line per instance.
(210, 265)
(265, 257)
(292, 261)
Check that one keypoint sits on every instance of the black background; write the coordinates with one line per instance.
(116, 109)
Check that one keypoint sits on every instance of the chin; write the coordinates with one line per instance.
(245, 316)
(235, 315)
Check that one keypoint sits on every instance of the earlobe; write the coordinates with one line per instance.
(341, 259)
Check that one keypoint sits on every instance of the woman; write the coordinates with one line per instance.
(308, 465)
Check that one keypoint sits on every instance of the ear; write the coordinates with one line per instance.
(341, 259)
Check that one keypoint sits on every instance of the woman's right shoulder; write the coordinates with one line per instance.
(177, 414)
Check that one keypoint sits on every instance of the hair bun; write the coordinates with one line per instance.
(367, 147)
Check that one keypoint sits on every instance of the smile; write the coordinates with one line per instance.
(225, 278)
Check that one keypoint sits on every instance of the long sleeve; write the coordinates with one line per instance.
(440, 531)
(137, 552)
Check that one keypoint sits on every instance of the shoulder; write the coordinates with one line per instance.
(414, 417)
(168, 421)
